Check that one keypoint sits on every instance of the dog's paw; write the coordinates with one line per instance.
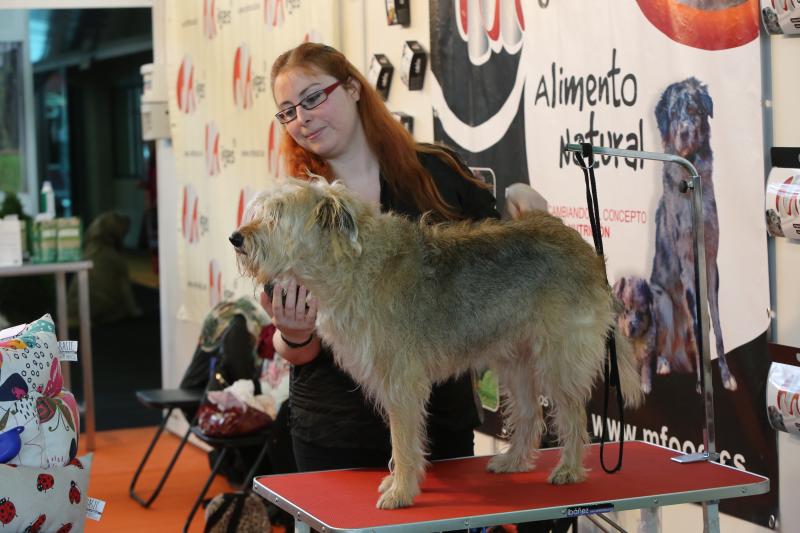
(394, 498)
(662, 366)
(504, 463)
(386, 483)
(647, 387)
(563, 475)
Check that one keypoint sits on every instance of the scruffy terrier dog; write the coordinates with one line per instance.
(682, 115)
(646, 320)
(405, 305)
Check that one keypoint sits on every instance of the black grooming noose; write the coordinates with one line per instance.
(610, 368)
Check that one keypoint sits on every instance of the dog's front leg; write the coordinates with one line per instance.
(407, 425)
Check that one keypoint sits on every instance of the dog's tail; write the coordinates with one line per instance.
(628, 371)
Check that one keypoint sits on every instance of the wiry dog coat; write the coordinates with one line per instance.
(405, 305)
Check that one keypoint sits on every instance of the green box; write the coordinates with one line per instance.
(45, 234)
(68, 239)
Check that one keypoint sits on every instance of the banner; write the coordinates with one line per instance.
(674, 76)
(226, 140)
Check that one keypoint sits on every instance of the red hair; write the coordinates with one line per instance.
(391, 143)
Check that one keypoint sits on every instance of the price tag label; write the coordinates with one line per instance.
(69, 350)
(95, 508)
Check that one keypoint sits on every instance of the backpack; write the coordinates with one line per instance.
(237, 512)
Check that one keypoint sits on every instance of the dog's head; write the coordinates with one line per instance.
(297, 226)
(636, 317)
(682, 115)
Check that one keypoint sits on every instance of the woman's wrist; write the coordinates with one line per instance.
(296, 356)
(297, 344)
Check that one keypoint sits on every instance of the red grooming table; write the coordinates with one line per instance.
(459, 493)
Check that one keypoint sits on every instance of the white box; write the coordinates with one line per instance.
(10, 242)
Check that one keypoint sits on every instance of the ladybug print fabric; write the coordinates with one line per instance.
(44, 500)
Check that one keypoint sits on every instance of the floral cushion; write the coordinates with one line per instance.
(39, 423)
(29, 361)
(53, 499)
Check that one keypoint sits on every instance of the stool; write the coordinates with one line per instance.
(223, 444)
(170, 399)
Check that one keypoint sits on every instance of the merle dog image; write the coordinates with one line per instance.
(399, 302)
(646, 320)
(683, 114)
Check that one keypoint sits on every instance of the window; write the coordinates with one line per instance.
(12, 119)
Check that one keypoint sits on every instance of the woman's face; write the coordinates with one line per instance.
(328, 129)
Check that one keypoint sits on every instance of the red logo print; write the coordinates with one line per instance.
(245, 195)
(185, 86)
(489, 26)
(242, 78)
(189, 213)
(212, 149)
(275, 148)
(274, 13)
(787, 199)
(209, 24)
(214, 283)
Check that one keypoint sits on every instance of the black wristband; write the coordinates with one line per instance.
(294, 345)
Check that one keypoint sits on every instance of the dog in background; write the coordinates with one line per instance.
(646, 320)
(399, 300)
(682, 115)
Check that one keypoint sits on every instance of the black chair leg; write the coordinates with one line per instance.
(154, 495)
(247, 484)
(202, 495)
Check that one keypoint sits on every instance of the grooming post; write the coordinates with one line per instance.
(710, 509)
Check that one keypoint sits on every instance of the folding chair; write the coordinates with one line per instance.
(224, 444)
(170, 399)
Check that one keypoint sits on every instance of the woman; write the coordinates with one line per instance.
(338, 127)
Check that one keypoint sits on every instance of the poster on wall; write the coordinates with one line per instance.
(675, 76)
(226, 141)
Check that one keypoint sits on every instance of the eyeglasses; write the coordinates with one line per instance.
(311, 101)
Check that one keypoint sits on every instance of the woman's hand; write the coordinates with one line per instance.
(521, 198)
(295, 317)
(294, 321)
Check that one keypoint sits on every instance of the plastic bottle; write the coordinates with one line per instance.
(47, 202)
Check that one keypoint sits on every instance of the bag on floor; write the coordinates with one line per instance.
(237, 512)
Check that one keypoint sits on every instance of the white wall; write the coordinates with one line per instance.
(364, 32)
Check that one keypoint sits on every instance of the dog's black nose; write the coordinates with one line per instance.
(236, 239)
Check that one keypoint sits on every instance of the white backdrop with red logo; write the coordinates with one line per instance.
(225, 139)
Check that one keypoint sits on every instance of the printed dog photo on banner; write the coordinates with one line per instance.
(682, 115)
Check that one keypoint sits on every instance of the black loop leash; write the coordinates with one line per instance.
(611, 368)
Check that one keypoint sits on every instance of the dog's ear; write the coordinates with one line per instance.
(662, 112)
(333, 214)
(643, 288)
(705, 101)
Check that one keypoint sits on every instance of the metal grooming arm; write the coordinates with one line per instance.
(710, 510)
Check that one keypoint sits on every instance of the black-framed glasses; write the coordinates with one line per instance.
(311, 101)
